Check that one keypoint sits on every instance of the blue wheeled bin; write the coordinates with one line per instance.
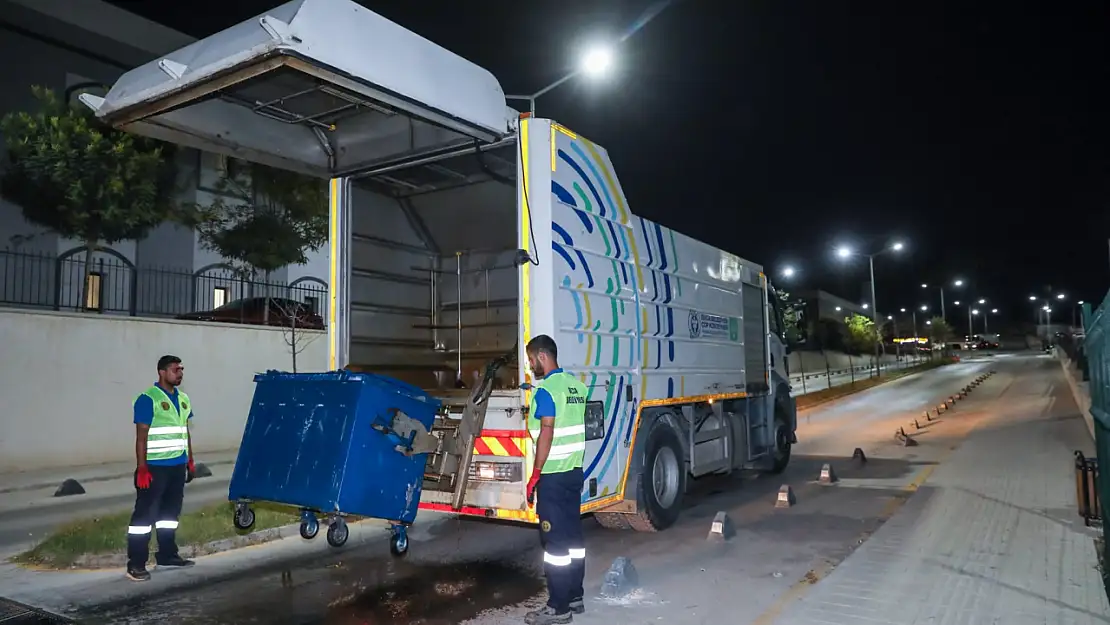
(327, 443)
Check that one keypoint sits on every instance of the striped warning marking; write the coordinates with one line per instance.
(509, 443)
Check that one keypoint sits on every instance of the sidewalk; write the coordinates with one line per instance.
(52, 478)
(992, 537)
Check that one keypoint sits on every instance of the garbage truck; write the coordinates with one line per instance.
(460, 229)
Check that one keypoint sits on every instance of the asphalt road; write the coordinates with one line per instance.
(466, 569)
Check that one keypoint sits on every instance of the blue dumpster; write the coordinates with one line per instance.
(326, 443)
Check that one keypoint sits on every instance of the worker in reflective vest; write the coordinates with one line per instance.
(558, 427)
(164, 458)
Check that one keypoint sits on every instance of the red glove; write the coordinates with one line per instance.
(143, 478)
(192, 466)
(532, 483)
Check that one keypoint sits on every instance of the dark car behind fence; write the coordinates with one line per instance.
(116, 286)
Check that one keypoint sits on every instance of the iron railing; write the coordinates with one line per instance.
(117, 286)
(1096, 347)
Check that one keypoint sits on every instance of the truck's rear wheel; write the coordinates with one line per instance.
(661, 487)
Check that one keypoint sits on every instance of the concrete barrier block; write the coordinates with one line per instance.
(858, 456)
(908, 441)
(69, 487)
(620, 580)
(785, 497)
(828, 476)
(721, 529)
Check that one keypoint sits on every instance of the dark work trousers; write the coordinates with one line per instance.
(559, 506)
(157, 509)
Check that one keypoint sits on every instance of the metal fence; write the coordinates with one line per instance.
(1097, 349)
(116, 286)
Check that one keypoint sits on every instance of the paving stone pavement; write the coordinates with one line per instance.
(992, 537)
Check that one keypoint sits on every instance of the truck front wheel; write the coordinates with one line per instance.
(661, 487)
(780, 453)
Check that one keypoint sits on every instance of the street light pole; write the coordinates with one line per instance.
(943, 315)
(596, 62)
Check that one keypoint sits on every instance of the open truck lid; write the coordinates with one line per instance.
(323, 87)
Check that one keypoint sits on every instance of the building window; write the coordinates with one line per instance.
(313, 303)
(219, 296)
(94, 289)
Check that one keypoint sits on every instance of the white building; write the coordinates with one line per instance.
(64, 44)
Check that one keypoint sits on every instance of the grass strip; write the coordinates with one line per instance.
(108, 534)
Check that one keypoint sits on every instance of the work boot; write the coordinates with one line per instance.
(174, 560)
(137, 574)
(577, 606)
(547, 616)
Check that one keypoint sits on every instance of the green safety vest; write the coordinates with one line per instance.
(168, 436)
(568, 447)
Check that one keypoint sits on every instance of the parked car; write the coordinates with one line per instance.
(252, 310)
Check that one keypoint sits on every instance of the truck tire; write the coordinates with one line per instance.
(780, 454)
(661, 486)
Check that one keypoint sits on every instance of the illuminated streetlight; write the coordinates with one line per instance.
(924, 308)
(975, 311)
(957, 302)
(890, 317)
(903, 310)
(928, 322)
(788, 271)
(1032, 298)
(959, 283)
(1080, 302)
(982, 301)
(838, 309)
(897, 247)
(595, 63)
(844, 251)
(1060, 296)
(924, 286)
(865, 306)
(994, 311)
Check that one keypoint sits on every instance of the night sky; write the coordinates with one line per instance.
(777, 130)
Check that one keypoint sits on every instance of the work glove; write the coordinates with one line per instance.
(532, 483)
(143, 478)
(191, 471)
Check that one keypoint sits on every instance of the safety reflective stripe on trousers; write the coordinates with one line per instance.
(166, 525)
(556, 560)
(577, 554)
(138, 529)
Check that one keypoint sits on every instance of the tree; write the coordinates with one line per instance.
(862, 335)
(263, 219)
(293, 325)
(939, 331)
(791, 317)
(84, 180)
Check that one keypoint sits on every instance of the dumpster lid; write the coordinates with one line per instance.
(324, 87)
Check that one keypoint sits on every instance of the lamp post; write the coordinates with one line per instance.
(594, 64)
(943, 313)
(844, 252)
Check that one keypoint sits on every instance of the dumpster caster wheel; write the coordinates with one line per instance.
(399, 543)
(309, 529)
(338, 533)
(244, 517)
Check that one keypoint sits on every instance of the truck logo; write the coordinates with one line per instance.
(695, 325)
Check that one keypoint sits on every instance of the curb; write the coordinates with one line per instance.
(839, 396)
(119, 560)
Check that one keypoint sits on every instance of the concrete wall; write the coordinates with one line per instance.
(68, 382)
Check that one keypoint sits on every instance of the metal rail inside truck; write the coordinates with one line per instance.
(459, 230)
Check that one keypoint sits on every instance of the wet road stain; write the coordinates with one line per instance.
(436, 595)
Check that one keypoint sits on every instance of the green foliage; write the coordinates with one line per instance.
(263, 219)
(82, 179)
(939, 330)
(791, 317)
(861, 335)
